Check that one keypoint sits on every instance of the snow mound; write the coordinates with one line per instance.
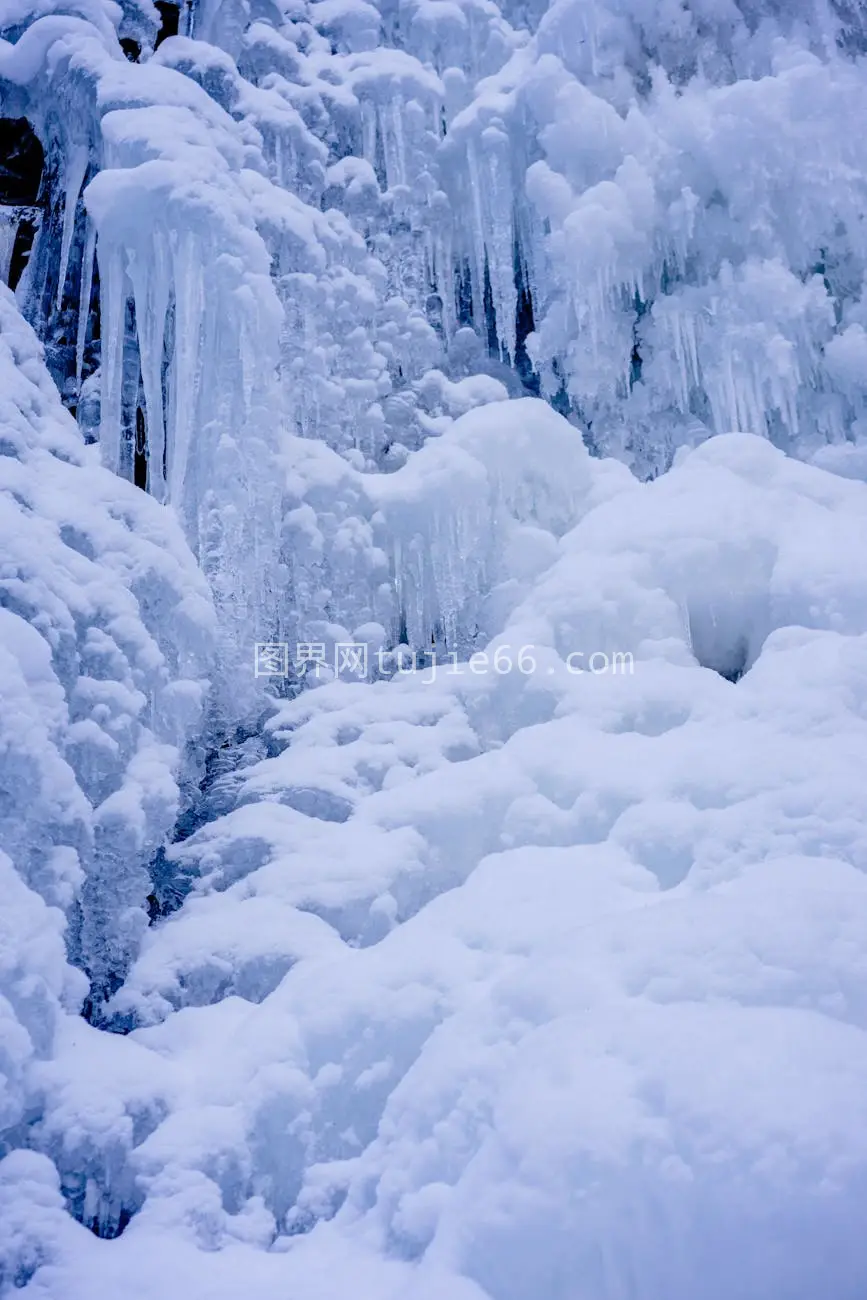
(531, 973)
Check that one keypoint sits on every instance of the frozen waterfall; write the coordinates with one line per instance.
(433, 649)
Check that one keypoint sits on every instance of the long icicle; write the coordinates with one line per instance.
(112, 312)
(151, 287)
(84, 298)
(76, 170)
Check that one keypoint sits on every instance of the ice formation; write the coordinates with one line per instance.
(521, 345)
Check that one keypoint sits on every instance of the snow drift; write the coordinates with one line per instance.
(498, 979)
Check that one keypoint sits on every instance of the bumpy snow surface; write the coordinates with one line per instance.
(529, 960)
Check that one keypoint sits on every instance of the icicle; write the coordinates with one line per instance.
(691, 348)
(369, 128)
(186, 375)
(84, 297)
(10, 219)
(478, 236)
(152, 287)
(682, 351)
(112, 316)
(383, 124)
(397, 115)
(501, 240)
(76, 169)
(442, 270)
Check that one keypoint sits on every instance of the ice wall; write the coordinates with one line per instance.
(685, 201)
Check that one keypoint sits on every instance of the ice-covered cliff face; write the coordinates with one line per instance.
(354, 223)
(541, 973)
(310, 214)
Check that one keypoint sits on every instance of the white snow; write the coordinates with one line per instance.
(504, 980)
(105, 630)
(529, 958)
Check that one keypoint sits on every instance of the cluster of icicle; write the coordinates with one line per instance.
(352, 224)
